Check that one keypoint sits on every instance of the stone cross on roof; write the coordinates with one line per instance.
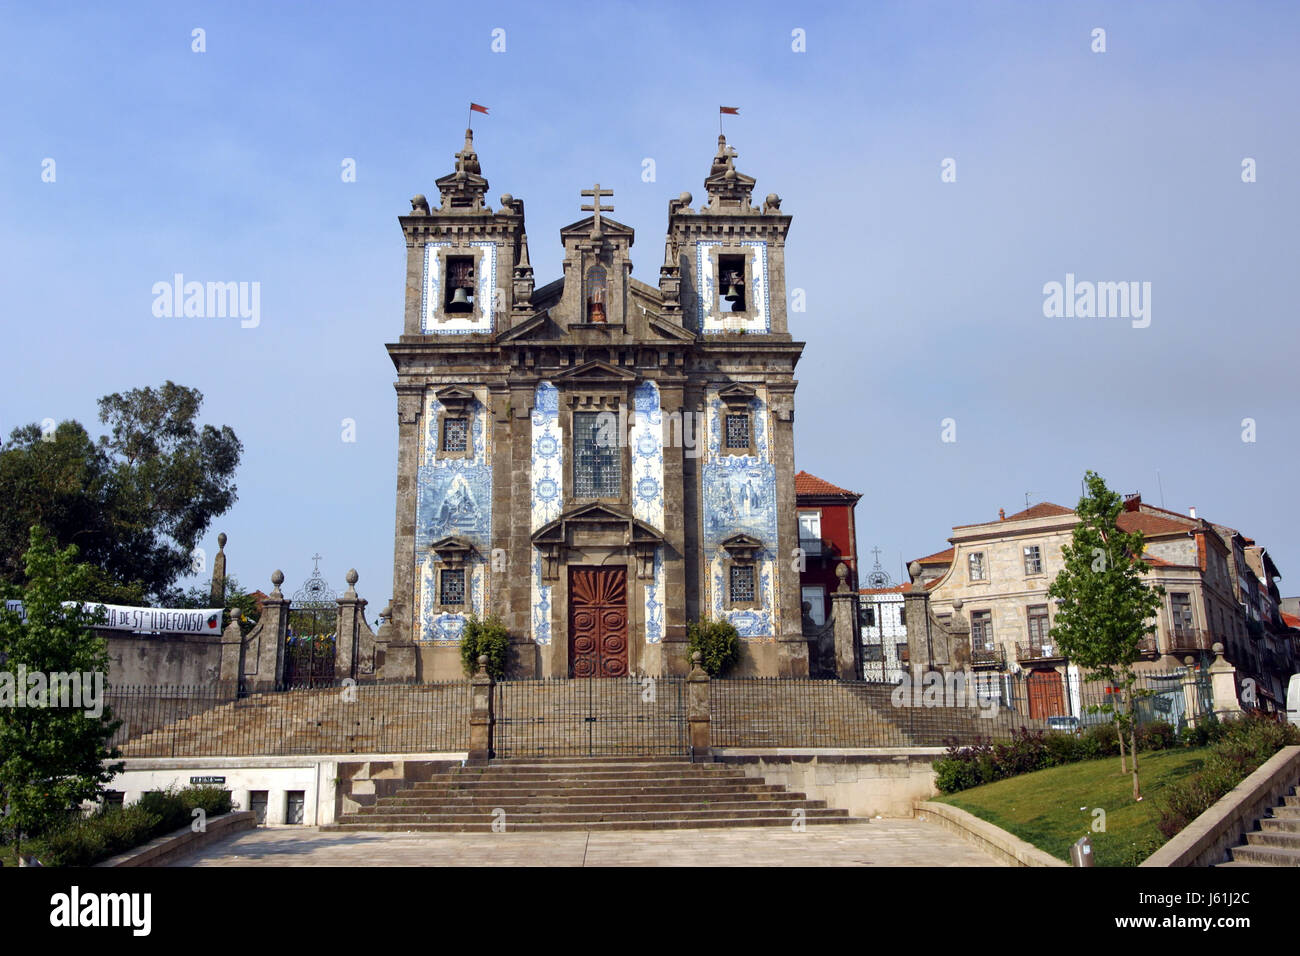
(596, 194)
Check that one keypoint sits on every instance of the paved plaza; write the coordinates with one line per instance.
(877, 843)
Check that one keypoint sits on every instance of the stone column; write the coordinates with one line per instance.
(480, 714)
(232, 647)
(345, 641)
(274, 627)
(697, 708)
(844, 617)
(218, 592)
(410, 407)
(1223, 682)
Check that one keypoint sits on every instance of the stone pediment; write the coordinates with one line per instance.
(670, 331)
(452, 550)
(596, 525)
(454, 398)
(536, 327)
(608, 227)
(742, 547)
(737, 395)
(596, 372)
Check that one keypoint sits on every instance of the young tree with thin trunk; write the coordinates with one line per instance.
(1104, 606)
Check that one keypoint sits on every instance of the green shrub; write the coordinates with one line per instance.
(1243, 746)
(717, 642)
(1101, 740)
(111, 830)
(1156, 735)
(488, 637)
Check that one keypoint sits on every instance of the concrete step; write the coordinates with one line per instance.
(609, 812)
(1275, 825)
(514, 826)
(487, 792)
(1277, 838)
(1266, 855)
(742, 807)
(1286, 813)
(579, 798)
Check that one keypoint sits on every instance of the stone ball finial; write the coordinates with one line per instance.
(351, 577)
(482, 660)
(842, 571)
(1217, 648)
(957, 604)
(686, 199)
(277, 577)
(696, 657)
(1189, 660)
(221, 540)
(914, 569)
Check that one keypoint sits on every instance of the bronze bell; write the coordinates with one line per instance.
(459, 301)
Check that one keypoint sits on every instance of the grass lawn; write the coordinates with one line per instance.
(1053, 808)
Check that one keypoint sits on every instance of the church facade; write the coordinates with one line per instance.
(596, 461)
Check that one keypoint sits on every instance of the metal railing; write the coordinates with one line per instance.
(1190, 641)
(591, 716)
(212, 721)
(1038, 651)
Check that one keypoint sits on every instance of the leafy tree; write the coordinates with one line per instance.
(1104, 606)
(135, 502)
(52, 756)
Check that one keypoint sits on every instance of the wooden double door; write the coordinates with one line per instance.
(598, 636)
(1046, 695)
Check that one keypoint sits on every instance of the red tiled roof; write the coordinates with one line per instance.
(939, 557)
(806, 484)
(1044, 509)
(1148, 524)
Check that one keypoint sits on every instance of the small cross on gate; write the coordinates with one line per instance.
(876, 552)
(596, 194)
(316, 557)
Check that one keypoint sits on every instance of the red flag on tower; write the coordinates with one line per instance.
(478, 109)
(729, 110)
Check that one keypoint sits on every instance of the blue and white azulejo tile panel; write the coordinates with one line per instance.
(758, 316)
(547, 463)
(433, 321)
(453, 498)
(647, 443)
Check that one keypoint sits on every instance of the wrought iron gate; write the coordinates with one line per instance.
(590, 717)
(313, 631)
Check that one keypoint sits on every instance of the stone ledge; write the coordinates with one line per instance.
(992, 839)
(821, 754)
(1206, 840)
(183, 842)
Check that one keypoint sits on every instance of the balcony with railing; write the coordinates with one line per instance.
(1038, 652)
(1149, 646)
(988, 654)
(1190, 641)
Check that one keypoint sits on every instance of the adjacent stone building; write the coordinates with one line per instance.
(598, 460)
(1219, 588)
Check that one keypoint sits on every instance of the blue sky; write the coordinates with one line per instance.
(924, 298)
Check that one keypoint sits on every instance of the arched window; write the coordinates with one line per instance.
(595, 294)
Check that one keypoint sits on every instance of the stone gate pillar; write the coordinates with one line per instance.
(273, 628)
(844, 617)
(351, 608)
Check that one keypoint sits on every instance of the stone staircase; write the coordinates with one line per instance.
(603, 793)
(543, 719)
(1277, 841)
